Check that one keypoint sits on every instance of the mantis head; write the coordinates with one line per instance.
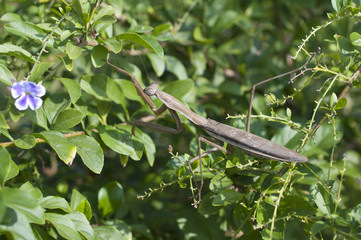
(151, 89)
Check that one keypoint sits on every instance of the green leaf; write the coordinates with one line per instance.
(38, 117)
(65, 34)
(318, 226)
(90, 152)
(39, 70)
(54, 202)
(242, 220)
(355, 38)
(149, 147)
(206, 207)
(193, 224)
(103, 88)
(82, 8)
(79, 203)
(108, 232)
(226, 197)
(143, 40)
(113, 43)
(118, 7)
(198, 36)
(17, 52)
(34, 191)
(11, 17)
(355, 216)
(129, 90)
(178, 88)
(158, 63)
(289, 113)
(341, 103)
(219, 183)
(6, 133)
(199, 62)
(295, 206)
(162, 28)
(26, 30)
(140, 28)
(73, 51)
(65, 150)
(287, 137)
(227, 19)
(63, 225)
(13, 171)
(82, 225)
(6, 75)
(106, 10)
(121, 141)
(176, 67)
(124, 229)
(99, 56)
(278, 231)
(106, 19)
(110, 198)
(264, 212)
(322, 198)
(55, 104)
(345, 47)
(68, 119)
(336, 4)
(3, 123)
(41, 233)
(72, 87)
(24, 203)
(3, 210)
(333, 100)
(68, 63)
(25, 142)
(8, 169)
(18, 226)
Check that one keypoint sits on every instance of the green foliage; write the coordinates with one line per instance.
(119, 181)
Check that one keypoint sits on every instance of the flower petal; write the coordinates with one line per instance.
(40, 90)
(30, 88)
(34, 102)
(33, 89)
(17, 90)
(22, 103)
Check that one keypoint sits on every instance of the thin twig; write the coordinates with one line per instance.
(45, 43)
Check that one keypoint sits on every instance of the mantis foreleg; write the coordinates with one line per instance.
(200, 155)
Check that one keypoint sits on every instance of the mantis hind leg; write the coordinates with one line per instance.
(216, 147)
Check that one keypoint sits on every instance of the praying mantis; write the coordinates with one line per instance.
(251, 144)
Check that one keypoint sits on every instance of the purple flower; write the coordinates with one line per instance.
(27, 94)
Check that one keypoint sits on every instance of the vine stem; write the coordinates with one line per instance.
(343, 93)
(312, 33)
(46, 40)
(338, 199)
(280, 196)
(308, 135)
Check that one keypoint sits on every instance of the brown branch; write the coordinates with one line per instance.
(39, 140)
(73, 134)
